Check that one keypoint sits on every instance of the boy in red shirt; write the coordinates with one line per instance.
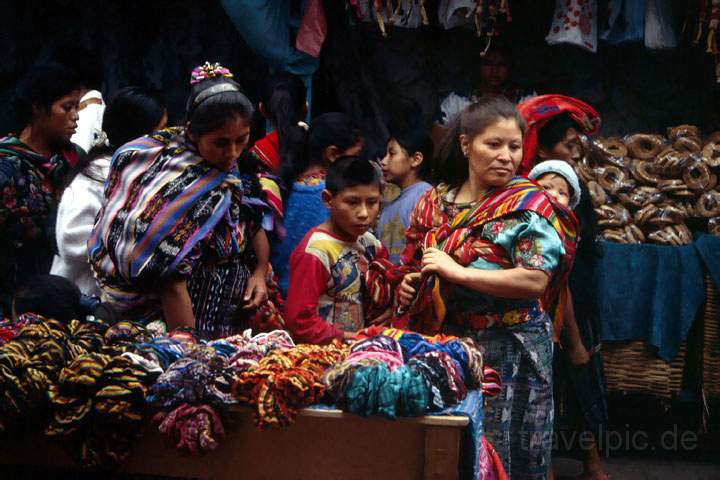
(326, 295)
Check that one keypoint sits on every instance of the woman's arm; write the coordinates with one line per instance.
(176, 304)
(256, 293)
(513, 283)
(261, 245)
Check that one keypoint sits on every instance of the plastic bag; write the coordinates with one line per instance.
(575, 22)
(659, 25)
(453, 13)
(626, 22)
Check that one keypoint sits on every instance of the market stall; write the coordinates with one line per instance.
(117, 398)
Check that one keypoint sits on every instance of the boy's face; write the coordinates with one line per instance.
(557, 187)
(353, 210)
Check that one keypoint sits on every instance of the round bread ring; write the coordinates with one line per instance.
(585, 171)
(685, 194)
(670, 162)
(673, 210)
(612, 147)
(697, 176)
(614, 235)
(672, 235)
(631, 200)
(690, 209)
(713, 181)
(612, 179)
(671, 185)
(681, 131)
(711, 153)
(597, 194)
(636, 232)
(622, 214)
(684, 233)
(644, 172)
(658, 236)
(687, 144)
(644, 214)
(644, 146)
(708, 205)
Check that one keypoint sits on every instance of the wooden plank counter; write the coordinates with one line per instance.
(322, 444)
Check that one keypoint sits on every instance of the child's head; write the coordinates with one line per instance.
(132, 113)
(331, 136)
(559, 180)
(408, 157)
(51, 296)
(352, 193)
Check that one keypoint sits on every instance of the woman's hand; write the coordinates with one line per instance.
(438, 262)
(407, 288)
(256, 293)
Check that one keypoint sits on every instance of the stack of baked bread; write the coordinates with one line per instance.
(645, 188)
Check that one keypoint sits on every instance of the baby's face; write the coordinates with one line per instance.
(557, 187)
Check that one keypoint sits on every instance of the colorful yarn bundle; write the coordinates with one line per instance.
(408, 374)
(464, 351)
(193, 429)
(285, 381)
(123, 336)
(250, 350)
(189, 380)
(32, 361)
(98, 405)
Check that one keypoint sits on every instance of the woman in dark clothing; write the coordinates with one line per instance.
(33, 164)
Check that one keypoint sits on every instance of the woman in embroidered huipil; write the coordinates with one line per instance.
(180, 236)
(483, 247)
(34, 163)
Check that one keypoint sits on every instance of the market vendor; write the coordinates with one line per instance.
(180, 237)
(555, 123)
(34, 162)
(487, 246)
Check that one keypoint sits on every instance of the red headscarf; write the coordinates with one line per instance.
(539, 110)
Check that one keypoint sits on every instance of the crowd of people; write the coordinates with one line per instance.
(490, 237)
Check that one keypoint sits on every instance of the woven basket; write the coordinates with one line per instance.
(635, 367)
(711, 341)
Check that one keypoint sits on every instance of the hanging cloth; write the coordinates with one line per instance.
(626, 23)
(574, 22)
(659, 25)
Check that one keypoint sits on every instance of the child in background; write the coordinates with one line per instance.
(50, 296)
(406, 164)
(284, 103)
(326, 296)
(562, 185)
(331, 136)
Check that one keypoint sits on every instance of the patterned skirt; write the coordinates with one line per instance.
(519, 421)
(216, 291)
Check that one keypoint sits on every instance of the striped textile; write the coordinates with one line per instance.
(164, 202)
(430, 227)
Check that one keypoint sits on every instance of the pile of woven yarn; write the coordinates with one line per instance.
(198, 382)
(98, 399)
(286, 380)
(397, 373)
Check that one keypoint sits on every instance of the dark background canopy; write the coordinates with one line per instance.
(155, 44)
